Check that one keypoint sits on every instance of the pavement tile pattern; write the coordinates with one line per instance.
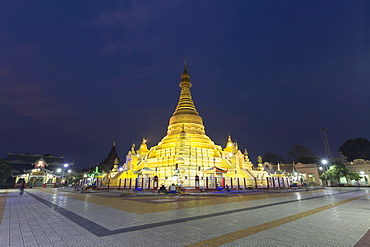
(53, 217)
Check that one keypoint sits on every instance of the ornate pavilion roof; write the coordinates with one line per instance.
(28, 159)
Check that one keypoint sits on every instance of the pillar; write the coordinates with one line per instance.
(155, 182)
(197, 182)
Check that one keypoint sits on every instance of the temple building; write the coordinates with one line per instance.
(36, 170)
(111, 159)
(186, 152)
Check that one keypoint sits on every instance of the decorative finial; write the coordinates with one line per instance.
(114, 142)
(185, 59)
(259, 159)
(260, 166)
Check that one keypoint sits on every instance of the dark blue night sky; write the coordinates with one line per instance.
(75, 75)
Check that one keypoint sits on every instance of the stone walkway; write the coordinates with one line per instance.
(52, 217)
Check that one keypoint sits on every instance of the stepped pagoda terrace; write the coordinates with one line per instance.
(186, 156)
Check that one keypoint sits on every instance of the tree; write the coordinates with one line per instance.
(309, 160)
(337, 171)
(75, 179)
(354, 176)
(5, 171)
(273, 158)
(358, 148)
(104, 168)
(326, 176)
(300, 153)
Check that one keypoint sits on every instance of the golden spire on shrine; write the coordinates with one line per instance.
(186, 104)
(143, 147)
(185, 112)
(229, 145)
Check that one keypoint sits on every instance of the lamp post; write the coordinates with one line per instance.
(63, 171)
(325, 162)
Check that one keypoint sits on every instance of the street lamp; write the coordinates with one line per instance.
(65, 166)
(325, 163)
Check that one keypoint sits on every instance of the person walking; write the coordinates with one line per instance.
(21, 190)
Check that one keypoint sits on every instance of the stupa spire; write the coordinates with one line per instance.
(185, 63)
(143, 147)
(229, 144)
(186, 104)
(185, 116)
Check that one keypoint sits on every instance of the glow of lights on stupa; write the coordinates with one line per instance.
(186, 151)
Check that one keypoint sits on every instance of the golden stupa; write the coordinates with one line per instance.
(186, 152)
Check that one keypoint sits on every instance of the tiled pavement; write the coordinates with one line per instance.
(52, 217)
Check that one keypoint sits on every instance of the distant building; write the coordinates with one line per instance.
(361, 167)
(309, 173)
(36, 170)
(299, 172)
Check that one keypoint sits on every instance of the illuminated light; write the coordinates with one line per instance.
(120, 169)
(331, 167)
(59, 170)
(66, 165)
(187, 145)
(324, 162)
(295, 174)
(69, 171)
(362, 173)
(320, 168)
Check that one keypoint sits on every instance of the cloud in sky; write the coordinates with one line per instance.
(127, 28)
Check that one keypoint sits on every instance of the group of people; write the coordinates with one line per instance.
(172, 189)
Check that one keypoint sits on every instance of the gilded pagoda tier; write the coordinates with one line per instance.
(186, 151)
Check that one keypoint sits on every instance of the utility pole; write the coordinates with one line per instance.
(326, 144)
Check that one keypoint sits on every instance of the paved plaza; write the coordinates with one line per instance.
(53, 217)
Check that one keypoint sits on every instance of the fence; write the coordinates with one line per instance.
(206, 183)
